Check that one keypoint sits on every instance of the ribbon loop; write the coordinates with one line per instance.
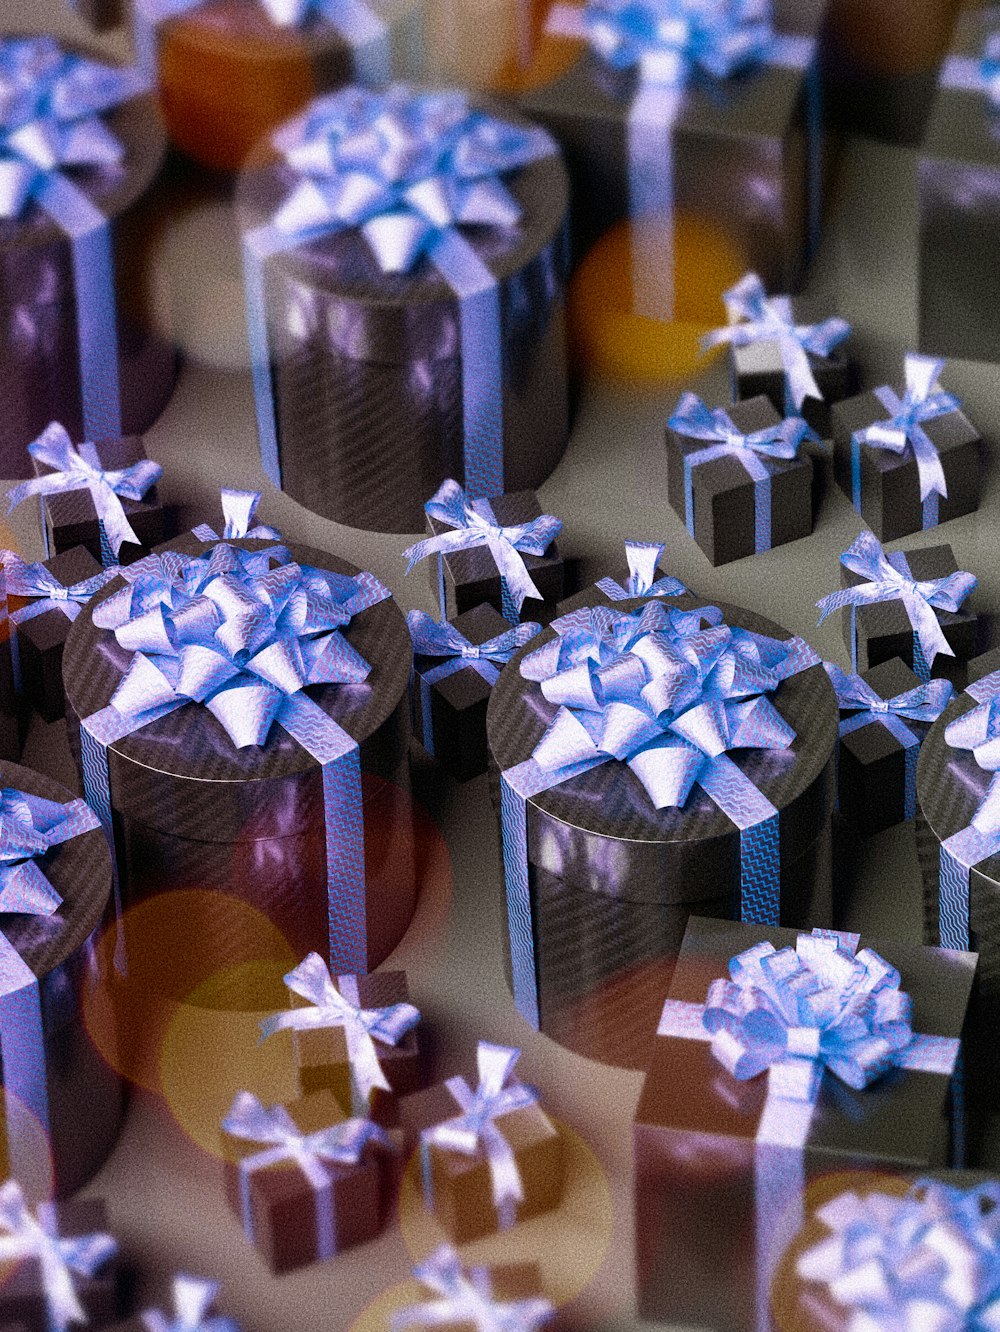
(238, 509)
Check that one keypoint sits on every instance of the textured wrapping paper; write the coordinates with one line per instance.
(610, 880)
(192, 811)
(64, 1083)
(708, 1222)
(39, 337)
(366, 367)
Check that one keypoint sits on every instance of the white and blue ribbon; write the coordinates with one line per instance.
(464, 1297)
(642, 558)
(974, 74)
(239, 508)
(410, 171)
(193, 1301)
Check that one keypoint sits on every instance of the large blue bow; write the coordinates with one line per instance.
(193, 1300)
(642, 558)
(473, 523)
(238, 509)
(930, 1260)
(756, 317)
(466, 1299)
(888, 578)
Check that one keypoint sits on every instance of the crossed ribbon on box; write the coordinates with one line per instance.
(466, 1297)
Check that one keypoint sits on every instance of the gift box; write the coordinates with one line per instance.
(472, 1141)
(906, 604)
(735, 1122)
(77, 346)
(230, 71)
(890, 712)
(959, 198)
(736, 477)
(732, 138)
(306, 1182)
(11, 712)
(509, 1294)
(448, 697)
(294, 800)
(604, 857)
(59, 1095)
(909, 459)
(390, 356)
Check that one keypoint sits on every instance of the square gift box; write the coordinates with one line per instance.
(722, 1163)
(469, 1299)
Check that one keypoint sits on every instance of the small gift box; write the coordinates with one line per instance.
(639, 581)
(908, 461)
(490, 1156)
(779, 1058)
(905, 604)
(455, 666)
(959, 197)
(417, 336)
(274, 770)
(43, 601)
(647, 760)
(81, 148)
(506, 1296)
(736, 477)
(501, 550)
(795, 365)
(890, 712)
(63, 1265)
(306, 1182)
(355, 1038)
(194, 1310)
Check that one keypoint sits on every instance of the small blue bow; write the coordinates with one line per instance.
(465, 1298)
(433, 638)
(642, 557)
(30, 826)
(238, 509)
(924, 704)
(193, 1300)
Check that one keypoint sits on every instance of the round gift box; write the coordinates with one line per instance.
(365, 366)
(86, 1098)
(228, 74)
(195, 814)
(39, 347)
(613, 880)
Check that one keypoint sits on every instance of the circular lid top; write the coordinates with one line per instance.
(951, 784)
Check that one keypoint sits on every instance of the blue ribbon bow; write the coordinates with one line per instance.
(238, 509)
(410, 171)
(756, 317)
(193, 1300)
(782, 441)
(466, 1298)
(473, 524)
(59, 1259)
(671, 40)
(888, 578)
(922, 401)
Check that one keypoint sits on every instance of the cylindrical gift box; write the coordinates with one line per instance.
(611, 881)
(366, 370)
(228, 74)
(77, 337)
(54, 1080)
(321, 846)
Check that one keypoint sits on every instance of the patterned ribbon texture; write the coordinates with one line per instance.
(51, 105)
(473, 1130)
(338, 1005)
(923, 704)
(244, 634)
(923, 400)
(411, 171)
(888, 578)
(30, 827)
(670, 46)
(365, 33)
(723, 439)
(342, 1144)
(473, 524)
(27, 1237)
(822, 1008)
(930, 1260)
(238, 510)
(193, 1301)
(433, 639)
(465, 1298)
(756, 317)
(979, 732)
(80, 469)
(642, 558)
(669, 693)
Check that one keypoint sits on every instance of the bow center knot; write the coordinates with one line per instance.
(471, 651)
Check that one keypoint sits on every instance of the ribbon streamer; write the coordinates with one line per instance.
(888, 578)
(694, 420)
(756, 317)
(923, 401)
(643, 558)
(410, 171)
(466, 1298)
(238, 510)
(193, 1300)
(339, 1005)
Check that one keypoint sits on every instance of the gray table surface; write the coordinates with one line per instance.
(164, 1193)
